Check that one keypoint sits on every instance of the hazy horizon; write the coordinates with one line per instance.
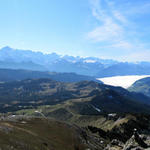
(62, 55)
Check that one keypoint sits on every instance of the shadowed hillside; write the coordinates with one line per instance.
(11, 75)
(141, 86)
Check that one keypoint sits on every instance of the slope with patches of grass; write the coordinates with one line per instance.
(39, 134)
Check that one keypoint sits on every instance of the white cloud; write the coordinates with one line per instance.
(123, 44)
(116, 13)
(115, 30)
(119, 17)
(108, 30)
(123, 81)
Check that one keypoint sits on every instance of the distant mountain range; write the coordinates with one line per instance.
(91, 66)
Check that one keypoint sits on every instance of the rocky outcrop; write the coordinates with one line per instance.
(131, 135)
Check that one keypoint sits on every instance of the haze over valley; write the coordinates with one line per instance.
(123, 81)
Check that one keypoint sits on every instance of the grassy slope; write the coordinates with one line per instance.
(39, 134)
(65, 112)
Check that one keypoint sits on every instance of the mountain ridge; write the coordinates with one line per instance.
(84, 97)
(91, 66)
(20, 74)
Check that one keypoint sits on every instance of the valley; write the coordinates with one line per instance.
(99, 116)
(85, 97)
(57, 108)
(88, 114)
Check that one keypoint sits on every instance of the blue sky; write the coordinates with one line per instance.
(117, 29)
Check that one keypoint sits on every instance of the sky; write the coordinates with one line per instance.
(109, 29)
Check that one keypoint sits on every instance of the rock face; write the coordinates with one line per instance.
(131, 135)
(134, 143)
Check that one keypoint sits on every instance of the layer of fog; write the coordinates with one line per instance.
(123, 81)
